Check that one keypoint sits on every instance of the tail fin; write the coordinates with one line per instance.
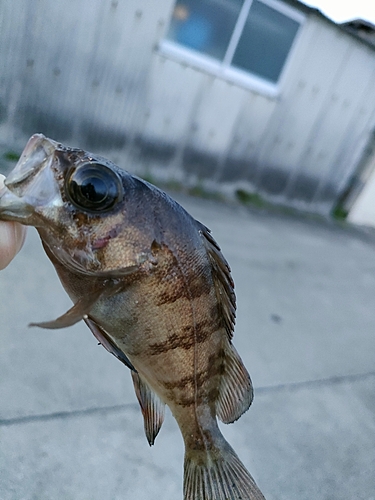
(218, 475)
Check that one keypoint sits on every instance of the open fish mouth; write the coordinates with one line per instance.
(37, 152)
(31, 183)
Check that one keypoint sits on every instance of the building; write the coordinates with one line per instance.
(266, 95)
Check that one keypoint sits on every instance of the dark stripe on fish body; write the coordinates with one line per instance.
(199, 378)
(174, 283)
(199, 388)
(186, 396)
(186, 401)
(201, 441)
(177, 289)
(189, 336)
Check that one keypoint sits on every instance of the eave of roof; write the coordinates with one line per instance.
(306, 9)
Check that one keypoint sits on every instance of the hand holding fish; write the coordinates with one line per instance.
(12, 236)
(154, 288)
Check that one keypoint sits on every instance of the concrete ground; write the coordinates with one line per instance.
(70, 426)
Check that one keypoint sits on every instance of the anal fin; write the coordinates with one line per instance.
(236, 390)
(152, 408)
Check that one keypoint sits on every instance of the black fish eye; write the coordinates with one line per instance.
(93, 187)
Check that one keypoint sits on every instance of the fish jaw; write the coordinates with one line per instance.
(30, 189)
(13, 208)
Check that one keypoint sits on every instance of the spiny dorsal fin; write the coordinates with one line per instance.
(151, 406)
(223, 281)
(236, 390)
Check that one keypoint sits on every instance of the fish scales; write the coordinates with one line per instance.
(153, 286)
(179, 344)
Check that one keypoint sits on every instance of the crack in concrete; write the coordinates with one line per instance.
(27, 419)
(337, 379)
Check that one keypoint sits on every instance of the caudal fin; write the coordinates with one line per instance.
(218, 476)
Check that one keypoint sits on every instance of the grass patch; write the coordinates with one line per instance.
(339, 213)
(248, 198)
(200, 192)
(11, 156)
(174, 185)
(255, 200)
(148, 178)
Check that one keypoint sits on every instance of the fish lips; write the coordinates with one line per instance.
(31, 186)
(13, 208)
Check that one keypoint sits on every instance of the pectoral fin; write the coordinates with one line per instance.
(151, 406)
(80, 309)
(236, 390)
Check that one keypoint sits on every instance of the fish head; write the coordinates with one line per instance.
(87, 210)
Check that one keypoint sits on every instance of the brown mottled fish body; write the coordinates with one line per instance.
(154, 288)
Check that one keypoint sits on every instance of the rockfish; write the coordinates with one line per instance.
(154, 288)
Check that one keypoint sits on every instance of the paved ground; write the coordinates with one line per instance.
(70, 427)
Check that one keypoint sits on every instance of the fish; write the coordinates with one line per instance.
(154, 288)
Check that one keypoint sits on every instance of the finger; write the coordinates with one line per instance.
(12, 237)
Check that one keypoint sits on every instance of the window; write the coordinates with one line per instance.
(247, 38)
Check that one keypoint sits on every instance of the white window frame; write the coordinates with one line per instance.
(223, 69)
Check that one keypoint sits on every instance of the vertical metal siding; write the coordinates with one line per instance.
(77, 70)
(291, 144)
(253, 120)
(347, 98)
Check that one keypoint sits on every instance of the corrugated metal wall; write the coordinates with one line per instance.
(78, 70)
(89, 72)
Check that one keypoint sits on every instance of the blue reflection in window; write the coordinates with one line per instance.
(205, 25)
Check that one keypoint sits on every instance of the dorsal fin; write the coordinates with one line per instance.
(223, 281)
(152, 407)
(236, 390)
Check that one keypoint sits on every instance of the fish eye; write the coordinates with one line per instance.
(93, 187)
